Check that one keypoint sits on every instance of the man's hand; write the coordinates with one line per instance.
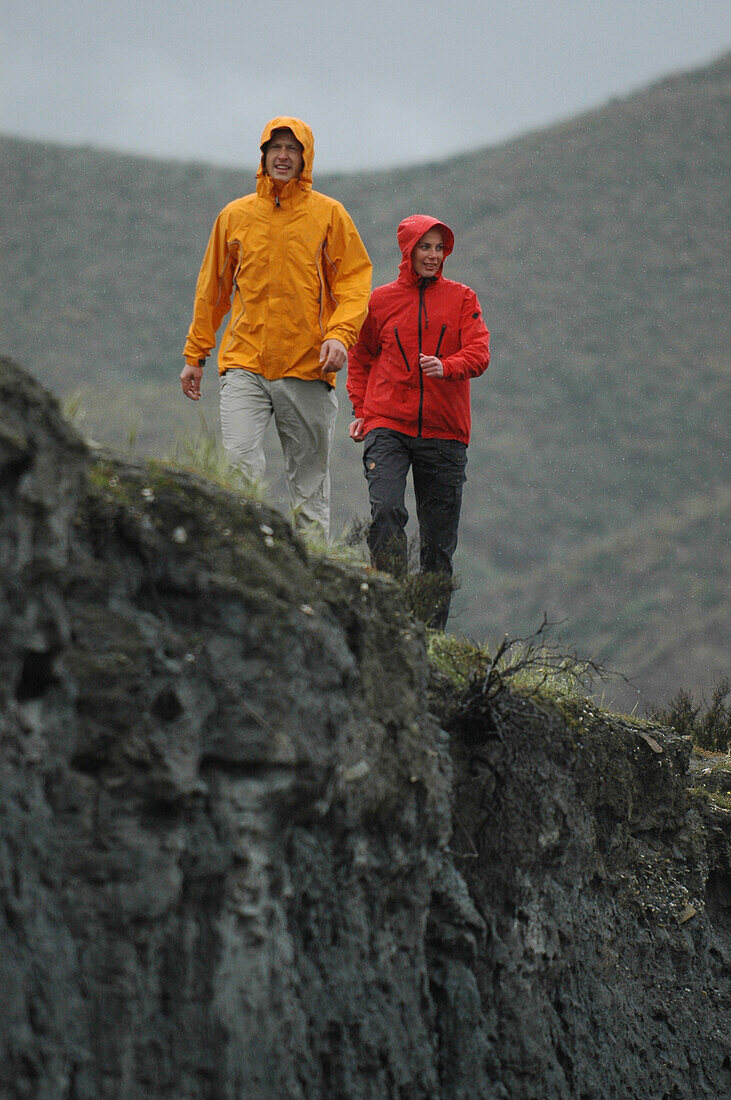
(355, 429)
(431, 366)
(190, 378)
(333, 357)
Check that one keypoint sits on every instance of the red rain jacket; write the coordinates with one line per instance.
(435, 316)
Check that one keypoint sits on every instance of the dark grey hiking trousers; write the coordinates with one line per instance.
(438, 470)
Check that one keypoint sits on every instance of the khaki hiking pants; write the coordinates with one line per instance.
(304, 413)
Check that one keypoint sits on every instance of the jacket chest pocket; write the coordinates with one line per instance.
(443, 338)
(402, 347)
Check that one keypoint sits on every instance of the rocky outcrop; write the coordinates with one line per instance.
(247, 852)
(606, 892)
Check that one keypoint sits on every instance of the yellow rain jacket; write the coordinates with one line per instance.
(296, 268)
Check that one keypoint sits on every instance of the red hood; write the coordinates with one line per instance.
(410, 232)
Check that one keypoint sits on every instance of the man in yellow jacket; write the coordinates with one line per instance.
(289, 265)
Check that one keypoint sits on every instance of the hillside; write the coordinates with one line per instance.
(254, 844)
(598, 249)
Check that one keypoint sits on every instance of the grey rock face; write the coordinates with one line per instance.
(242, 857)
(605, 890)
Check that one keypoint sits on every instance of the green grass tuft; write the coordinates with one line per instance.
(204, 455)
(457, 658)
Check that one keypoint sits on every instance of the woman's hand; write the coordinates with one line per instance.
(431, 366)
(355, 428)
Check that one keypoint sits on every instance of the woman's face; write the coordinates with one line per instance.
(428, 254)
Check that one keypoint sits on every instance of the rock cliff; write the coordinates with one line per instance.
(249, 849)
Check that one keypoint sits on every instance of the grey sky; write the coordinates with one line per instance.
(381, 82)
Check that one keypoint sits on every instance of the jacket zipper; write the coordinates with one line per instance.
(441, 337)
(401, 349)
(421, 373)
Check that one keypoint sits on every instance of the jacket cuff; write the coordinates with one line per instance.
(338, 334)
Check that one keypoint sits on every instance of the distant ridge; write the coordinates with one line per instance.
(598, 249)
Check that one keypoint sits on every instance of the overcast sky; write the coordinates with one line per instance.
(381, 82)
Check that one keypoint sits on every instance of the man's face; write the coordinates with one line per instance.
(428, 254)
(283, 158)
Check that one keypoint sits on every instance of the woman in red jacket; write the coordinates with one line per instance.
(409, 382)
